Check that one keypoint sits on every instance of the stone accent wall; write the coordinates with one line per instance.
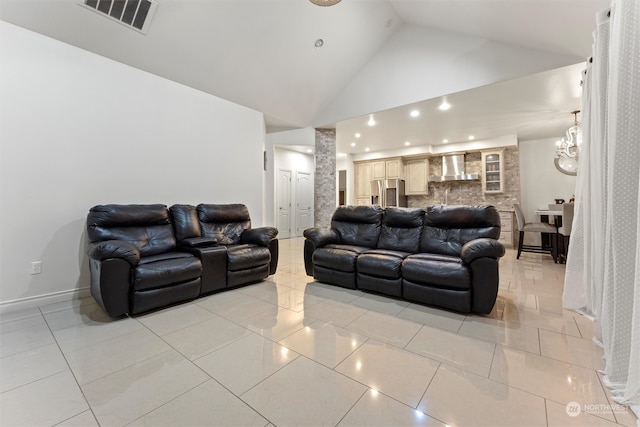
(325, 178)
(470, 192)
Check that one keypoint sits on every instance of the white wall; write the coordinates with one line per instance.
(78, 130)
(421, 63)
(540, 181)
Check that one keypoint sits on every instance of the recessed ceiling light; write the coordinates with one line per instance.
(358, 135)
(309, 150)
(415, 113)
(371, 122)
(471, 137)
(319, 43)
(444, 106)
(366, 149)
(444, 141)
(407, 143)
(353, 144)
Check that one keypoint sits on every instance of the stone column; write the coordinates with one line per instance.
(325, 179)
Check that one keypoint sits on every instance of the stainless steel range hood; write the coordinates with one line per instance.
(453, 170)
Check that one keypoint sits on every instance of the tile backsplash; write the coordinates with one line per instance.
(470, 192)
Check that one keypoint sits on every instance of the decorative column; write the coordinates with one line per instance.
(325, 179)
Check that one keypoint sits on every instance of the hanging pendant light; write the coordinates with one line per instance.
(325, 2)
(568, 148)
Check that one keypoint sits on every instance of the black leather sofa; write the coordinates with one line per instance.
(143, 257)
(445, 256)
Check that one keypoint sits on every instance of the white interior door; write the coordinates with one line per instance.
(284, 203)
(304, 202)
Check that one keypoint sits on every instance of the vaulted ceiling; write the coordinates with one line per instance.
(262, 53)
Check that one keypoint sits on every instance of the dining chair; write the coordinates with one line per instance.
(534, 227)
(553, 220)
(564, 231)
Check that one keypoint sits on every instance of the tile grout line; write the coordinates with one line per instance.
(66, 361)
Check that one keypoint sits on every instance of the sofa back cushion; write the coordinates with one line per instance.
(185, 222)
(401, 229)
(358, 225)
(448, 228)
(225, 223)
(147, 227)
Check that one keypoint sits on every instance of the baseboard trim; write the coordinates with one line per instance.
(40, 300)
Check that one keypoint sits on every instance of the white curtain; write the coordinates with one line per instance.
(603, 265)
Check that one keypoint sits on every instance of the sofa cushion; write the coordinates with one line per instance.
(401, 229)
(165, 269)
(147, 227)
(448, 228)
(437, 270)
(381, 263)
(358, 225)
(225, 223)
(243, 257)
(338, 257)
(185, 222)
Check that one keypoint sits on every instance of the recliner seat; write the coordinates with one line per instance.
(144, 257)
(445, 256)
(134, 260)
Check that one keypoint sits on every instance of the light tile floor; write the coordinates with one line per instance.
(293, 352)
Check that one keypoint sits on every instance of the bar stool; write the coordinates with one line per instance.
(534, 227)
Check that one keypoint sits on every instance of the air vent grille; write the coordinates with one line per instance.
(135, 14)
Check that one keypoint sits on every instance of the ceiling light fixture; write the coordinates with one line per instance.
(568, 149)
(471, 137)
(325, 2)
(353, 144)
(309, 150)
(371, 121)
(415, 113)
(367, 149)
(444, 106)
(357, 135)
(407, 143)
(319, 43)
(444, 141)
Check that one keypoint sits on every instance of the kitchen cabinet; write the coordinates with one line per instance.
(508, 231)
(417, 173)
(367, 171)
(493, 171)
(363, 177)
(387, 169)
(379, 170)
(393, 168)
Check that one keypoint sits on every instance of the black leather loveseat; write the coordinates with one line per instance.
(445, 256)
(143, 257)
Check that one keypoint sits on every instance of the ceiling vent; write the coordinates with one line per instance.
(135, 14)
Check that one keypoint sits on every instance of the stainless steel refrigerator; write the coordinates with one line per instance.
(388, 192)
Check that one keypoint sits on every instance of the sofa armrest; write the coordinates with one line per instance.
(322, 236)
(198, 242)
(259, 236)
(114, 249)
(479, 248)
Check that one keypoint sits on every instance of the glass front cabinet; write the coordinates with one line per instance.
(493, 171)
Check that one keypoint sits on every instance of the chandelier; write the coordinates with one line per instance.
(568, 148)
(324, 2)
